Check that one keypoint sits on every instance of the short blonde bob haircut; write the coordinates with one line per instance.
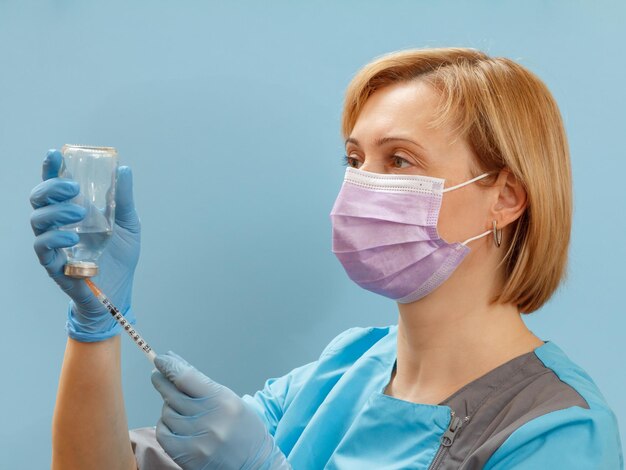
(511, 121)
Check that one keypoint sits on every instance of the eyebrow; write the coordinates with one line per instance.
(383, 140)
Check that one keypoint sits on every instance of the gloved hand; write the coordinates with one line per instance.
(205, 425)
(88, 320)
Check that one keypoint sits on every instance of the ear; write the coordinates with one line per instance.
(511, 199)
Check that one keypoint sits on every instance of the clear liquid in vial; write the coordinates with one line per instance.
(89, 247)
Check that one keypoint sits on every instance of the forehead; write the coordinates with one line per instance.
(405, 107)
(406, 110)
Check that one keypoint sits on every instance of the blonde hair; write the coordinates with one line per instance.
(511, 121)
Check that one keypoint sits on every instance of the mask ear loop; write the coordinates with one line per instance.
(467, 182)
(476, 237)
(460, 186)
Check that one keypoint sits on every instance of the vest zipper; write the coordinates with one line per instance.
(447, 439)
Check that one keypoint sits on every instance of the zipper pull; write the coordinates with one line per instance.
(448, 437)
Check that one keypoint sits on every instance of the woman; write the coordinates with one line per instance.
(456, 204)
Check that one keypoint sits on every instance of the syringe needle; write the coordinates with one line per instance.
(117, 315)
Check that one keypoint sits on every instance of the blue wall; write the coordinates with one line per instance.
(228, 113)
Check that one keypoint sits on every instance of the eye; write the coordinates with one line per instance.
(351, 161)
(398, 161)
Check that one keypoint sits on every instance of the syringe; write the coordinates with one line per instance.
(136, 337)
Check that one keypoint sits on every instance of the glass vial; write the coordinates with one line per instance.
(95, 170)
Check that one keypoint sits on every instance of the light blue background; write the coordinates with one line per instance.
(229, 115)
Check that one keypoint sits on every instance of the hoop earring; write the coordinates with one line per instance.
(497, 235)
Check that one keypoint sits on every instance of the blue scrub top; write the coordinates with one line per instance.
(332, 414)
(538, 410)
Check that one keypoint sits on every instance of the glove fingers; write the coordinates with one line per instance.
(187, 378)
(171, 367)
(189, 452)
(164, 435)
(51, 164)
(173, 397)
(179, 358)
(52, 191)
(183, 425)
(125, 214)
(47, 249)
(55, 215)
(168, 440)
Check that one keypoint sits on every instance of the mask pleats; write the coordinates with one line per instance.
(385, 234)
(404, 208)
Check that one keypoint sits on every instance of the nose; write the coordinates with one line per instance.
(373, 166)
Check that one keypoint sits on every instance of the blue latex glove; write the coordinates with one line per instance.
(88, 320)
(205, 425)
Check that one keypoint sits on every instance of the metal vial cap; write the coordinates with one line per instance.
(81, 269)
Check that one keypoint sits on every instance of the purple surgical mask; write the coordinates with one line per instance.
(385, 233)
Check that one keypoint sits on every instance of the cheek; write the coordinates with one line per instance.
(461, 216)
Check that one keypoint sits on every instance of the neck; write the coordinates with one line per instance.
(453, 336)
